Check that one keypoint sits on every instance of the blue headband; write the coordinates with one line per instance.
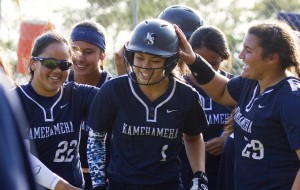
(88, 35)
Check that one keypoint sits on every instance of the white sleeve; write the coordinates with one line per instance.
(42, 174)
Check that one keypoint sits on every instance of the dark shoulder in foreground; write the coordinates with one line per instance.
(15, 166)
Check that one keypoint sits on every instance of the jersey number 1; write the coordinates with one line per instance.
(163, 154)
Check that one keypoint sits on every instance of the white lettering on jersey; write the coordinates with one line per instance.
(84, 126)
(245, 123)
(45, 132)
(253, 149)
(65, 151)
(206, 103)
(217, 118)
(163, 154)
(150, 131)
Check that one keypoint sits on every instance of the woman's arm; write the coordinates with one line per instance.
(96, 155)
(47, 178)
(195, 150)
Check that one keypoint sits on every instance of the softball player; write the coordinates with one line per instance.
(54, 109)
(210, 42)
(88, 38)
(266, 129)
(148, 111)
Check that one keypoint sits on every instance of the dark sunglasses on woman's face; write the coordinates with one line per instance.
(52, 63)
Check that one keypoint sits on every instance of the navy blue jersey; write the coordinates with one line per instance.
(147, 136)
(226, 173)
(266, 133)
(105, 76)
(216, 115)
(54, 126)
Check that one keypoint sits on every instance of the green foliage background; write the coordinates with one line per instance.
(231, 16)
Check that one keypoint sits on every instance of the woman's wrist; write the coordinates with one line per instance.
(202, 70)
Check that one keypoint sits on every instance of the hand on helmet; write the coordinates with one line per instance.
(186, 52)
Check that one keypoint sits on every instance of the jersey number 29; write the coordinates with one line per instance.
(254, 148)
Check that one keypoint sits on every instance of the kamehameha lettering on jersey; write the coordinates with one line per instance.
(47, 131)
(150, 131)
(245, 123)
(84, 126)
(217, 118)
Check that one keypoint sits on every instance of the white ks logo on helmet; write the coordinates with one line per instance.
(150, 38)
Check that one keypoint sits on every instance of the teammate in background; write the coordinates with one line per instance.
(88, 37)
(187, 19)
(266, 134)
(54, 109)
(210, 42)
(148, 118)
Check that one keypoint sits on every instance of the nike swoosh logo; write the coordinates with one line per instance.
(170, 111)
(61, 107)
(260, 106)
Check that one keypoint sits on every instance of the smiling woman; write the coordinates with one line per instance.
(54, 131)
(261, 138)
(147, 135)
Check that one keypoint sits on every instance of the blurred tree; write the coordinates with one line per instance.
(233, 17)
(265, 9)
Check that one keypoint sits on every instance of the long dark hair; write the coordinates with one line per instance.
(213, 39)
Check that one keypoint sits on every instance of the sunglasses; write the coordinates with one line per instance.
(52, 63)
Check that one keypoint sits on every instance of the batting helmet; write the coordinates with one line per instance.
(156, 37)
(188, 19)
